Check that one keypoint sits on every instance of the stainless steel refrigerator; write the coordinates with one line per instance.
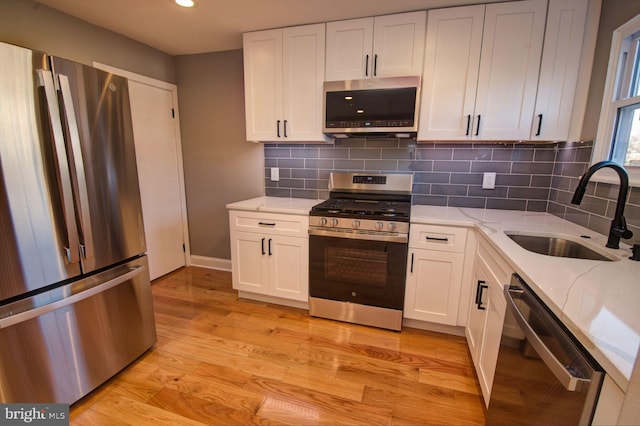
(75, 296)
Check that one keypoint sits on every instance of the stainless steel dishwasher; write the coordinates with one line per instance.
(543, 375)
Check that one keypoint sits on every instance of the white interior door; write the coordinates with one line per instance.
(154, 131)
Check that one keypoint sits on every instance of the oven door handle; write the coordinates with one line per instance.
(359, 235)
(568, 380)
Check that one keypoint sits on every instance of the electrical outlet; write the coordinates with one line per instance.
(275, 174)
(489, 180)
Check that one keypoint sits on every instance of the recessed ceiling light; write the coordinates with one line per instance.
(185, 3)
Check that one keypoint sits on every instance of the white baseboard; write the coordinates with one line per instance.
(429, 326)
(273, 299)
(210, 263)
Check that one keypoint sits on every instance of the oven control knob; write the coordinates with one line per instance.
(356, 224)
(323, 221)
(392, 226)
(379, 226)
(334, 222)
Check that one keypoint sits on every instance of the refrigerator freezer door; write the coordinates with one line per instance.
(59, 345)
(37, 246)
(100, 141)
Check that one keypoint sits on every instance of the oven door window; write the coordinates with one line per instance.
(359, 271)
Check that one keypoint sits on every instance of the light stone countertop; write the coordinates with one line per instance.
(599, 302)
(275, 205)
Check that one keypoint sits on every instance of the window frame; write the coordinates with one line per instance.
(610, 104)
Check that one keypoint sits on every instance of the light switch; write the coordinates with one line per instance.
(489, 180)
(275, 174)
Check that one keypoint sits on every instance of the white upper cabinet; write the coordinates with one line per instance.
(481, 71)
(449, 82)
(559, 69)
(384, 46)
(283, 76)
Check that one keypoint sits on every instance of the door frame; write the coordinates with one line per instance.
(174, 94)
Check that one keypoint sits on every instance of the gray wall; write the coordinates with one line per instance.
(220, 165)
(29, 24)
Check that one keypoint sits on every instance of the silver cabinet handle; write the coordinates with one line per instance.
(569, 381)
(73, 251)
(78, 162)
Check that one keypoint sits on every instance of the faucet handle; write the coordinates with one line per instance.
(621, 230)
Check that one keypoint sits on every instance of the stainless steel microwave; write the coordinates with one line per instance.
(382, 107)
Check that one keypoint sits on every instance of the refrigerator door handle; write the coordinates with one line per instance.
(72, 252)
(78, 162)
(50, 307)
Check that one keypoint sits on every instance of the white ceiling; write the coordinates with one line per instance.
(217, 25)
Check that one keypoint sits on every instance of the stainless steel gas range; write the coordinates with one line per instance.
(358, 242)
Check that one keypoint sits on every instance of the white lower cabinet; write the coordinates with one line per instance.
(434, 273)
(270, 254)
(486, 314)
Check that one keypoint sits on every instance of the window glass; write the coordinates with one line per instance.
(626, 147)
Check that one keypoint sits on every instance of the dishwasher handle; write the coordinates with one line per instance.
(569, 381)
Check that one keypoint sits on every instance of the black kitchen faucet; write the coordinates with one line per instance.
(618, 224)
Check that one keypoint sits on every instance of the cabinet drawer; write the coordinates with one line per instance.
(440, 238)
(269, 223)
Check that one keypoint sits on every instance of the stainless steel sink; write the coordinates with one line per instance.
(557, 246)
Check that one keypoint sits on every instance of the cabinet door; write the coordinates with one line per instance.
(491, 335)
(349, 45)
(289, 267)
(398, 45)
(452, 59)
(433, 286)
(249, 262)
(262, 53)
(559, 69)
(477, 313)
(303, 68)
(509, 69)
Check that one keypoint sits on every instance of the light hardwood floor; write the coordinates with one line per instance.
(224, 360)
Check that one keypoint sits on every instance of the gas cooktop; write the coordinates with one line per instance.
(398, 210)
